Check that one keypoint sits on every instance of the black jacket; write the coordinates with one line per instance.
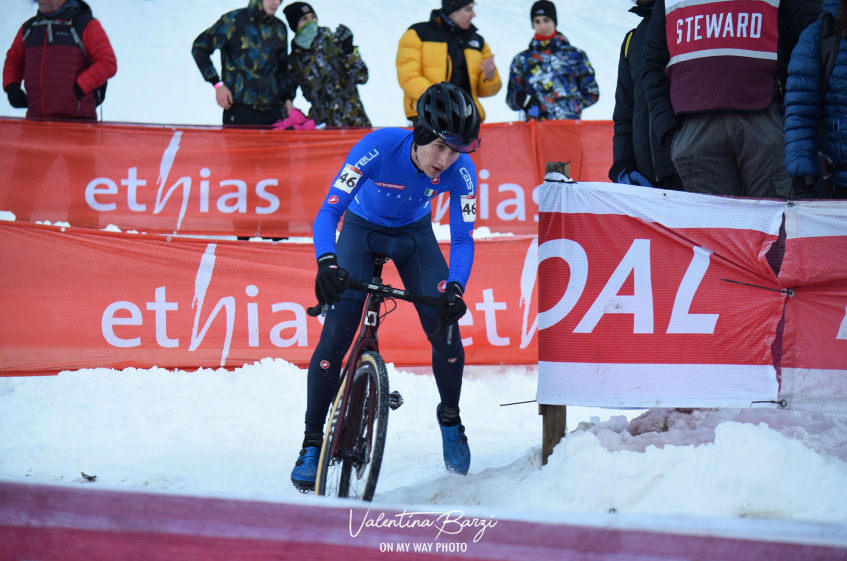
(635, 145)
(793, 17)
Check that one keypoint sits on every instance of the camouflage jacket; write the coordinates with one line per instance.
(555, 73)
(254, 56)
(329, 80)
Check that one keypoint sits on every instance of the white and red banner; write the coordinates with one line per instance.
(656, 298)
(814, 363)
(253, 182)
(74, 298)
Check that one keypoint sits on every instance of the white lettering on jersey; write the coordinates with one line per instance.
(348, 179)
(467, 177)
(468, 207)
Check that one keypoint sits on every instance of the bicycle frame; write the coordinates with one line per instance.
(366, 341)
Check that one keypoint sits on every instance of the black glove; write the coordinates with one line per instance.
(451, 306)
(803, 187)
(525, 100)
(17, 97)
(78, 92)
(331, 280)
(344, 37)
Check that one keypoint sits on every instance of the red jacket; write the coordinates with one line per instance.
(45, 56)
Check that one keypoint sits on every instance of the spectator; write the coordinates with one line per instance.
(64, 58)
(327, 67)
(551, 79)
(720, 114)
(808, 129)
(639, 158)
(446, 48)
(254, 61)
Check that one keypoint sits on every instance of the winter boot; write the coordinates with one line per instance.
(457, 453)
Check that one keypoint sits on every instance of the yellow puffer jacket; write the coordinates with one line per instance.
(423, 59)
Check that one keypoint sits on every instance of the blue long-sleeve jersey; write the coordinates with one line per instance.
(379, 183)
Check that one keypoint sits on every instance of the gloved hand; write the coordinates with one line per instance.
(331, 280)
(633, 178)
(344, 37)
(17, 97)
(526, 101)
(803, 187)
(451, 306)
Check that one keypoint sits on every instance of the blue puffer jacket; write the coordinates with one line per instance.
(803, 105)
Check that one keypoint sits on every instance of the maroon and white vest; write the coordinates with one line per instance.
(722, 53)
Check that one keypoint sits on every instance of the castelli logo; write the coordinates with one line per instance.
(442, 286)
(324, 364)
(451, 360)
(435, 180)
(332, 200)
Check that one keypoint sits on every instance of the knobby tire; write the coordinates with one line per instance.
(343, 477)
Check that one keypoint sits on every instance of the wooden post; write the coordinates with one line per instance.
(555, 416)
(555, 420)
(560, 167)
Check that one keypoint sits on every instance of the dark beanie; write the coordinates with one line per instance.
(293, 12)
(543, 8)
(450, 6)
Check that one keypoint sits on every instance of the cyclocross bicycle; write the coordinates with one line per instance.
(354, 440)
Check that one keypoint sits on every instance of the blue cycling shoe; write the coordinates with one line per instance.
(457, 453)
(306, 469)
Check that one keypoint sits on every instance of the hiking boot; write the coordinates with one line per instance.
(457, 453)
(306, 469)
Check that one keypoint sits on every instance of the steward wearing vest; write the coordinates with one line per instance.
(714, 75)
(446, 48)
(639, 158)
(64, 58)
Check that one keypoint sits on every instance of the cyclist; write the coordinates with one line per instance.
(386, 186)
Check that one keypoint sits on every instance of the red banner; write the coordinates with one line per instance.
(246, 182)
(87, 298)
(814, 363)
(653, 298)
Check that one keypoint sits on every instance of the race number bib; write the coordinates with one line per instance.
(469, 208)
(348, 179)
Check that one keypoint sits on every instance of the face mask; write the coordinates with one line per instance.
(306, 35)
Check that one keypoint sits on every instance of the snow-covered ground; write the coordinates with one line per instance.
(237, 434)
(158, 81)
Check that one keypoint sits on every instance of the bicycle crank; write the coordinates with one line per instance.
(395, 400)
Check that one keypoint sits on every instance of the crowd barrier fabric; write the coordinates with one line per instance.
(655, 298)
(252, 182)
(814, 363)
(75, 298)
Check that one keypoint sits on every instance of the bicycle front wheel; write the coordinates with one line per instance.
(361, 428)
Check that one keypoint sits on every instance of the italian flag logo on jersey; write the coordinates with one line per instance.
(429, 192)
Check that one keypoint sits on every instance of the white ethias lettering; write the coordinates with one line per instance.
(109, 321)
(517, 202)
(298, 324)
(489, 307)
(161, 307)
(239, 196)
(842, 331)
(681, 320)
(640, 304)
(201, 285)
(93, 188)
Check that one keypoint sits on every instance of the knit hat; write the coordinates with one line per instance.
(296, 10)
(450, 6)
(544, 8)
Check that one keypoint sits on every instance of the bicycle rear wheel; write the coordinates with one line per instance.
(362, 428)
